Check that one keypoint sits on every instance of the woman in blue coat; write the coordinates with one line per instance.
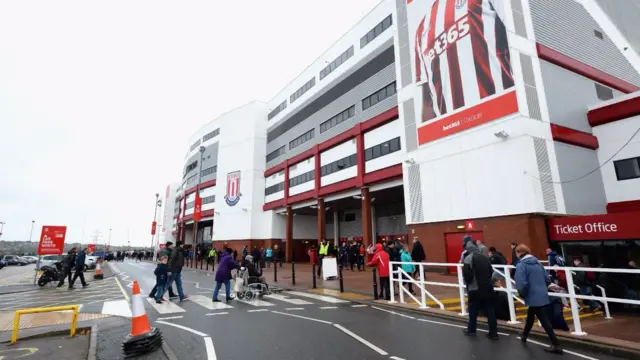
(223, 275)
(532, 281)
(405, 257)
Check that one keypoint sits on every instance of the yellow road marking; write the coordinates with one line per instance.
(126, 297)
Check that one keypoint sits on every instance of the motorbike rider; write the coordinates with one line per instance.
(67, 266)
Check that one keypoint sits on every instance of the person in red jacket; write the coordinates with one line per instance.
(381, 262)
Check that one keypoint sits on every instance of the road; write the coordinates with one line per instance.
(297, 325)
(15, 274)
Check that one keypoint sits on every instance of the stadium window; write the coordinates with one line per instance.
(211, 135)
(627, 169)
(382, 149)
(379, 95)
(276, 153)
(376, 31)
(338, 118)
(274, 189)
(341, 59)
(277, 110)
(195, 145)
(306, 87)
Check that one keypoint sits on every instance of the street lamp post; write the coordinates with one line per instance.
(1, 228)
(155, 213)
(109, 242)
(31, 233)
(195, 223)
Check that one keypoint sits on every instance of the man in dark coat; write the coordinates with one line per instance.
(79, 267)
(165, 252)
(68, 264)
(417, 255)
(477, 272)
(176, 262)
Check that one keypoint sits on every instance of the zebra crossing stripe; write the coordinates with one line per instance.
(318, 297)
(167, 307)
(206, 302)
(117, 308)
(288, 300)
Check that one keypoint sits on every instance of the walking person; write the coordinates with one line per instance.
(322, 252)
(381, 262)
(410, 269)
(417, 254)
(176, 263)
(68, 264)
(532, 282)
(172, 295)
(268, 255)
(223, 275)
(80, 259)
(161, 278)
(477, 272)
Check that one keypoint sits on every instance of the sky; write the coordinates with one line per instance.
(98, 98)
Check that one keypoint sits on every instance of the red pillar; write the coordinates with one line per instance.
(360, 160)
(321, 220)
(288, 234)
(367, 236)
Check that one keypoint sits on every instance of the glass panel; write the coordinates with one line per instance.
(366, 103)
(370, 36)
(376, 151)
(363, 41)
(353, 160)
(378, 29)
(350, 52)
(386, 23)
(394, 145)
(384, 149)
(368, 154)
(352, 111)
(627, 169)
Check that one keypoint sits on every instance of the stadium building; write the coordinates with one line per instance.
(435, 119)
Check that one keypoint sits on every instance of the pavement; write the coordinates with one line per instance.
(306, 325)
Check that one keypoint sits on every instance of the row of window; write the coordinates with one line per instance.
(376, 31)
(192, 179)
(208, 199)
(190, 167)
(338, 165)
(275, 153)
(274, 189)
(189, 205)
(306, 87)
(302, 139)
(337, 62)
(379, 95)
(195, 145)
(211, 135)
(337, 119)
(209, 171)
(627, 169)
(277, 110)
(302, 178)
(383, 149)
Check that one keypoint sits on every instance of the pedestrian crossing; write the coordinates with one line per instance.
(287, 298)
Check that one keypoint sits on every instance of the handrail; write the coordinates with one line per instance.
(18, 313)
(505, 271)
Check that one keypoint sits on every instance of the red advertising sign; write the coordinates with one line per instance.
(153, 228)
(52, 240)
(621, 226)
(197, 208)
(470, 225)
(483, 113)
(91, 248)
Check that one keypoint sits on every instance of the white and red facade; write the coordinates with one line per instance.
(357, 125)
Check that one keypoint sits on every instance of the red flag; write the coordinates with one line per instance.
(197, 208)
(153, 228)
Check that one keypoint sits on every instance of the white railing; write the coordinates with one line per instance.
(400, 277)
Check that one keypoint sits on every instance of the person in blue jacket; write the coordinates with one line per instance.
(405, 257)
(532, 282)
(79, 265)
(223, 275)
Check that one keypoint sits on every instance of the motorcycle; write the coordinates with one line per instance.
(49, 274)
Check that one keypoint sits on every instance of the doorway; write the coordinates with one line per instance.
(453, 245)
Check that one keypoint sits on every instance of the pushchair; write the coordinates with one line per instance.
(249, 287)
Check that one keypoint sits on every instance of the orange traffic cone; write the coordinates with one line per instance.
(143, 338)
(98, 275)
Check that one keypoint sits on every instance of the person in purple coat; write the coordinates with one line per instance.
(223, 275)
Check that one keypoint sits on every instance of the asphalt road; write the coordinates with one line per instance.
(15, 274)
(301, 326)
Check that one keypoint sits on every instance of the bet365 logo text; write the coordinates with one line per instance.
(449, 37)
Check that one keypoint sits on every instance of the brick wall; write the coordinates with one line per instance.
(526, 229)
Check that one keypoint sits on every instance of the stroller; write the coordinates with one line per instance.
(249, 287)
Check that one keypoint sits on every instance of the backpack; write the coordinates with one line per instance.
(560, 260)
(591, 276)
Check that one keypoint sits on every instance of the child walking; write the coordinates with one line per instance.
(161, 278)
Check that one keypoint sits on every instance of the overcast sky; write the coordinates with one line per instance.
(98, 98)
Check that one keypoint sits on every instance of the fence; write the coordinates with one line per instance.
(401, 277)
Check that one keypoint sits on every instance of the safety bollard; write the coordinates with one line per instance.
(341, 282)
(375, 285)
(293, 273)
(275, 273)
(313, 270)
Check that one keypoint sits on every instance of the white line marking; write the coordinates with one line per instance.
(257, 310)
(126, 296)
(566, 351)
(166, 307)
(294, 309)
(220, 313)
(183, 328)
(318, 297)
(255, 302)
(396, 358)
(288, 300)
(302, 317)
(393, 312)
(327, 307)
(207, 303)
(211, 352)
(170, 318)
(359, 305)
(118, 308)
(363, 341)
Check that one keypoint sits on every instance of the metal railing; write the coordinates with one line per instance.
(400, 277)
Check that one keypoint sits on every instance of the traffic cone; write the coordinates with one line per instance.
(143, 338)
(98, 275)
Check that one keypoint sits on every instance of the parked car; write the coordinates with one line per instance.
(49, 260)
(14, 260)
(30, 259)
(2, 264)
(90, 262)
